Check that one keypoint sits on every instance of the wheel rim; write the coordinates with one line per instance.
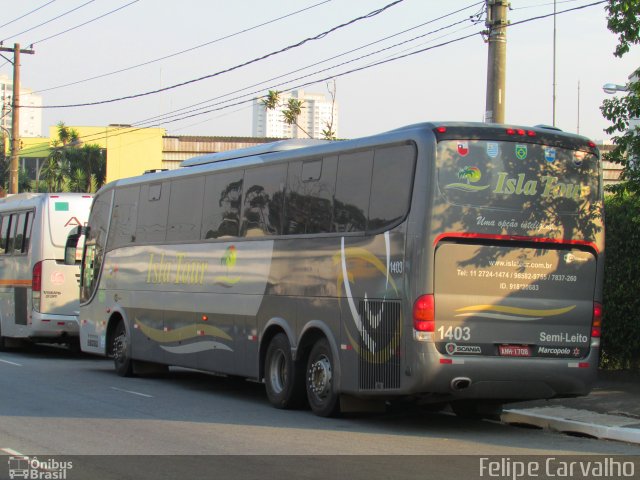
(320, 377)
(278, 371)
(120, 347)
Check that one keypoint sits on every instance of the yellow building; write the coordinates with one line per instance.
(130, 151)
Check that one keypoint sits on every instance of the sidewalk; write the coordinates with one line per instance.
(610, 411)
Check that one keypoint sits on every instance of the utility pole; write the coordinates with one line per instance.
(554, 65)
(497, 60)
(15, 115)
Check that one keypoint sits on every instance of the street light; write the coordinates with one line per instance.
(612, 88)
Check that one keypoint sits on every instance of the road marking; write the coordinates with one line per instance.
(11, 363)
(11, 451)
(132, 392)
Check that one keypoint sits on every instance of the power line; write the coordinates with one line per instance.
(540, 17)
(230, 69)
(28, 13)
(312, 82)
(49, 21)
(542, 5)
(175, 113)
(337, 75)
(185, 110)
(219, 39)
(334, 57)
(85, 23)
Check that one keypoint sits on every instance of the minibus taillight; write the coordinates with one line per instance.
(424, 314)
(36, 286)
(596, 323)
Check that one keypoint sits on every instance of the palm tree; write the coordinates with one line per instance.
(71, 167)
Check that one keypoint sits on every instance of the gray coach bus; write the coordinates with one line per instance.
(455, 263)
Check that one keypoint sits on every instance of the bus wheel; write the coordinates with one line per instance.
(121, 350)
(3, 342)
(283, 376)
(321, 393)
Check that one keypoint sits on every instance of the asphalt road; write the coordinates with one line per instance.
(53, 402)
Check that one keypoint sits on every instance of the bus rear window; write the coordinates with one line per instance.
(516, 176)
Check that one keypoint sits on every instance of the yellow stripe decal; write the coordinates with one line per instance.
(517, 311)
(182, 333)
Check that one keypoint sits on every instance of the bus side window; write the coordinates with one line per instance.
(311, 186)
(153, 212)
(185, 209)
(4, 233)
(351, 207)
(263, 200)
(222, 203)
(27, 232)
(125, 218)
(11, 233)
(391, 185)
(18, 242)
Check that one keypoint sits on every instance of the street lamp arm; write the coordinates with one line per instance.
(612, 88)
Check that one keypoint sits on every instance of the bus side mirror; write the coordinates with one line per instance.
(71, 247)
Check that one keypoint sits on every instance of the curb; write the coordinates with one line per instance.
(574, 421)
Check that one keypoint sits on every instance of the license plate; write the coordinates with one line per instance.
(514, 350)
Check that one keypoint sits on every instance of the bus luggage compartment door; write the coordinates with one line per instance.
(506, 301)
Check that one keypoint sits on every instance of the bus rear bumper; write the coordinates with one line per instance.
(52, 327)
(506, 379)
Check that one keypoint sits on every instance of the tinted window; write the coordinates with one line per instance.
(310, 190)
(95, 244)
(125, 212)
(351, 206)
(4, 233)
(12, 233)
(263, 200)
(391, 185)
(21, 223)
(222, 202)
(185, 209)
(153, 212)
(27, 232)
(517, 176)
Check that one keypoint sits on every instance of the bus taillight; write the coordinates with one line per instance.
(596, 323)
(36, 286)
(424, 314)
(520, 131)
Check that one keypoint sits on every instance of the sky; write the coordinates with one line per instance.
(214, 38)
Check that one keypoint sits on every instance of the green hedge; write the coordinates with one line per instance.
(621, 326)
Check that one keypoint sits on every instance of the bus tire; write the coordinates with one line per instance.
(121, 350)
(284, 377)
(319, 379)
(477, 409)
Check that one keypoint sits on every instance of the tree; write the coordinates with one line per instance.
(623, 19)
(294, 108)
(71, 167)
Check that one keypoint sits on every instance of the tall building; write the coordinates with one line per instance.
(30, 118)
(316, 114)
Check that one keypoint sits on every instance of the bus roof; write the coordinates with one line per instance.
(272, 147)
(27, 199)
(282, 150)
